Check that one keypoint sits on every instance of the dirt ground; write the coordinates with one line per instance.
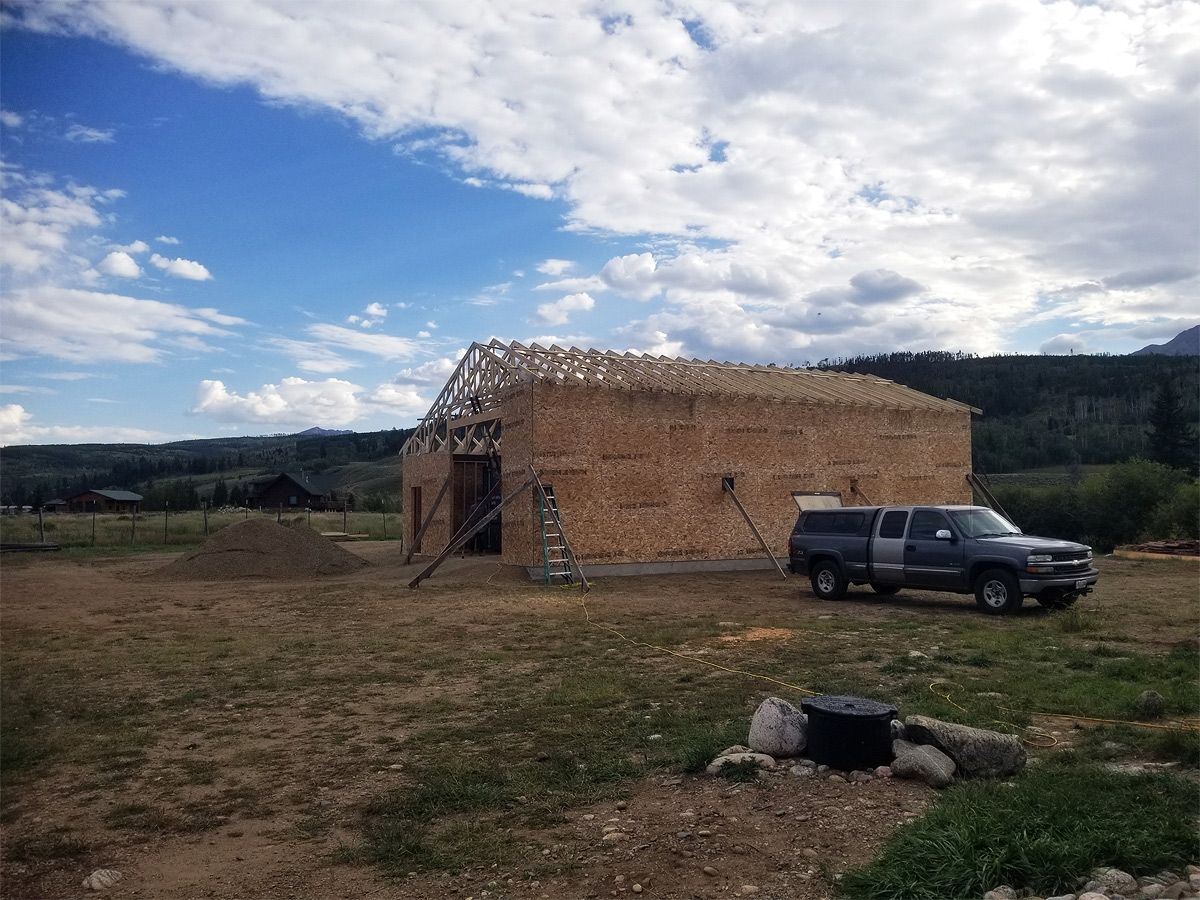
(283, 777)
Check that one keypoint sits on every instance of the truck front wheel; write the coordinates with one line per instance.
(997, 592)
(827, 581)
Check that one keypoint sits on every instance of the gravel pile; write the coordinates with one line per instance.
(261, 548)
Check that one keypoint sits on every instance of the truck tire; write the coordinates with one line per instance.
(885, 589)
(827, 581)
(1057, 598)
(997, 592)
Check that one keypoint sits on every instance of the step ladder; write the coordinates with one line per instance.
(555, 559)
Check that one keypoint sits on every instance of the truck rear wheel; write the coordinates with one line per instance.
(827, 581)
(997, 592)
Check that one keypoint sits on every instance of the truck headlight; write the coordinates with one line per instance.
(1040, 558)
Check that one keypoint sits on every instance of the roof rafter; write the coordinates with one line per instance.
(487, 369)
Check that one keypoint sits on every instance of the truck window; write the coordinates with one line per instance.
(893, 523)
(834, 523)
(925, 525)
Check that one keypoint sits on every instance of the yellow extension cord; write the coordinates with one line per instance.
(1186, 725)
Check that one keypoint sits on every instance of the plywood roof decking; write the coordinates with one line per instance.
(486, 370)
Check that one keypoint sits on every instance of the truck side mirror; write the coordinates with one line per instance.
(943, 534)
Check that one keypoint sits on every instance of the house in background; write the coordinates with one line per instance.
(292, 490)
(105, 501)
(638, 450)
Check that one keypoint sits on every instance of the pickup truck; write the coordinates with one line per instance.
(959, 549)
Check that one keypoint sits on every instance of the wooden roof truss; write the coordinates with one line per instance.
(471, 397)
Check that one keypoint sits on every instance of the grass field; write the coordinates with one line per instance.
(178, 530)
(328, 737)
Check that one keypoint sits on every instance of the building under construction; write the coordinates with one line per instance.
(664, 464)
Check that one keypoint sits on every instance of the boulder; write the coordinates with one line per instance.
(922, 762)
(760, 759)
(976, 751)
(1150, 705)
(778, 729)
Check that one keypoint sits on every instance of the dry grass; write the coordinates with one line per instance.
(145, 716)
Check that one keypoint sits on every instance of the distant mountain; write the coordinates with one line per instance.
(321, 432)
(1186, 343)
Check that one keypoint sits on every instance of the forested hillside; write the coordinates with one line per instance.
(182, 472)
(1041, 411)
(1038, 412)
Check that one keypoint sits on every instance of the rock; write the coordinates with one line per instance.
(922, 762)
(710, 871)
(803, 771)
(1092, 895)
(883, 771)
(101, 879)
(778, 729)
(1063, 897)
(1004, 892)
(763, 761)
(1152, 892)
(1116, 881)
(897, 729)
(976, 751)
(1150, 705)
(613, 836)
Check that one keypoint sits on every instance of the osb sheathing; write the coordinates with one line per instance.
(427, 471)
(638, 474)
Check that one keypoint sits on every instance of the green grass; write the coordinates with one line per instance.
(1055, 823)
(176, 530)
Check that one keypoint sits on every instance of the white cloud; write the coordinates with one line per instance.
(555, 267)
(376, 310)
(384, 346)
(558, 312)
(771, 153)
(311, 357)
(120, 264)
(92, 327)
(10, 119)
(84, 135)
(181, 268)
(163, 239)
(295, 401)
(37, 220)
(433, 373)
(17, 426)
(135, 247)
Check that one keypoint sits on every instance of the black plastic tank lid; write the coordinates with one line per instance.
(851, 707)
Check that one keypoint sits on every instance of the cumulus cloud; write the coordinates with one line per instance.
(18, 426)
(558, 312)
(164, 239)
(38, 218)
(120, 264)
(767, 152)
(181, 268)
(10, 119)
(555, 267)
(135, 247)
(296, 401)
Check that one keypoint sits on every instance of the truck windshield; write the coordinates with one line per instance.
(982, 522)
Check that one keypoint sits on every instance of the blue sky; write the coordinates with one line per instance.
(257, 217)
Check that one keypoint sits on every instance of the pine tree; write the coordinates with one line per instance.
(1172, 438)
